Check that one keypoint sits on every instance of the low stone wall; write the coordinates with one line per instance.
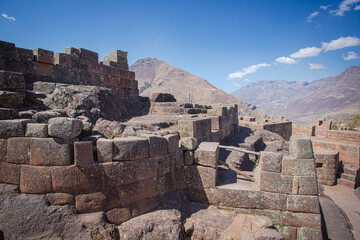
(348, 153)
(76, 66)
(327, 165)
(351, 137)
(303, 130)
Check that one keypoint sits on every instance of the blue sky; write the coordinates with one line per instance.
(228, 43)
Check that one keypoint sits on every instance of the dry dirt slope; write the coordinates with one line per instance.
(303, 102)
(157, 76)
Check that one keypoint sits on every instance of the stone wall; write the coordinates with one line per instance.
(327, 165)
(351, 137)
(303, 130)
(76, 66)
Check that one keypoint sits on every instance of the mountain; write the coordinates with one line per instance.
(302, 102)
(154, 76)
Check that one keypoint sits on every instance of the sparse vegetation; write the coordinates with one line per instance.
(143, 88)
(352, 123)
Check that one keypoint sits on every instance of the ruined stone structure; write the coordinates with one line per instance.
(345, 143)
(283, 127)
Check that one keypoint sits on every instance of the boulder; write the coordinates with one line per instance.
(66, 128)
(45, 116)
(162, 97)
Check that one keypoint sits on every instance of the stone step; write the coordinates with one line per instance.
(11, 99)
(7, 113)
(348, 177)
(348, 169)
(346, 183)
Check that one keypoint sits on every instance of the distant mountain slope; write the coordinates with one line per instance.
(155, 75)
(302, 102)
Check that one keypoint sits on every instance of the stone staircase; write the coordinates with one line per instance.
(349, 176)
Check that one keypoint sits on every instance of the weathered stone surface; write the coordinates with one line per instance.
(143, 206)
(51, 152)
(298, 167)
(289, 233)
(44, 117)
(7, 113)
(66, 128)
(83, 153)
(311, 220)
(266, 233)
(188, 143)
(104, 150)
(89, 55)
(161, 224)
(303, 203)
(3, 150)
(35, 179)
(11, 99)
(200, 177)
(162, 97)
(130, 148)
(308, 185)
(44, 56)
(207, 154)
(10, 173)
(270, 161)
(196, 128)
(173, 142)
(276, 182)
(188, 158)
(309, 233)
(8, 49)
(11, 81)
(301, 147)
(291, 219)
(157, 146)
(18, 150)
(118, 215)
(216, 136)
(39, 130)
(92, 202)
(60, 199)
(72, 51)
(62, 59)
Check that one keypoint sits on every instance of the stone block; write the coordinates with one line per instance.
(188, 158)
(63, 60)
(144, 206)
(51, 152)
(270, 161)
(39, 130)
(65, 128)
(10, 173)
(200, 177)
(291, 219)
(35, 179)
(104, 150)
(69, 179)
(116, 56)
(298, 167)
(89, 55)
(195, 128)
(301, 147)
(44, 56)
(157, 146)
(311, 220)
(289, 233)
(165, 164)
(3, 150)
(60, 199)
(12, 81)
(275, 182)
(146, 168)
(8, 49)
(188, 143)
(309, 233)
(216, 123)
(119, 173)
(83, 153)
(72, 51)
(162, 97)
(303, 203)
(216, 136)
(92, 202)
(118, 215)
(25, 54)
(45, 116)
(13, 128)
(18, 150)
(308, 185)
(267, 233)
(207, 154)
(173, 142)
(7, 113)
(10, 99)
(130, 148)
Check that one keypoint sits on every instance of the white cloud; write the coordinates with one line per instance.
(246, 71)
(236, 84)
(316, 66)
(306, 52)
(357, 7)
(286, 60)
(344, 6)
(247, 80)
(311, 16)
(341, 43)
(325, 7)
(351, 56)
(7, 17)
